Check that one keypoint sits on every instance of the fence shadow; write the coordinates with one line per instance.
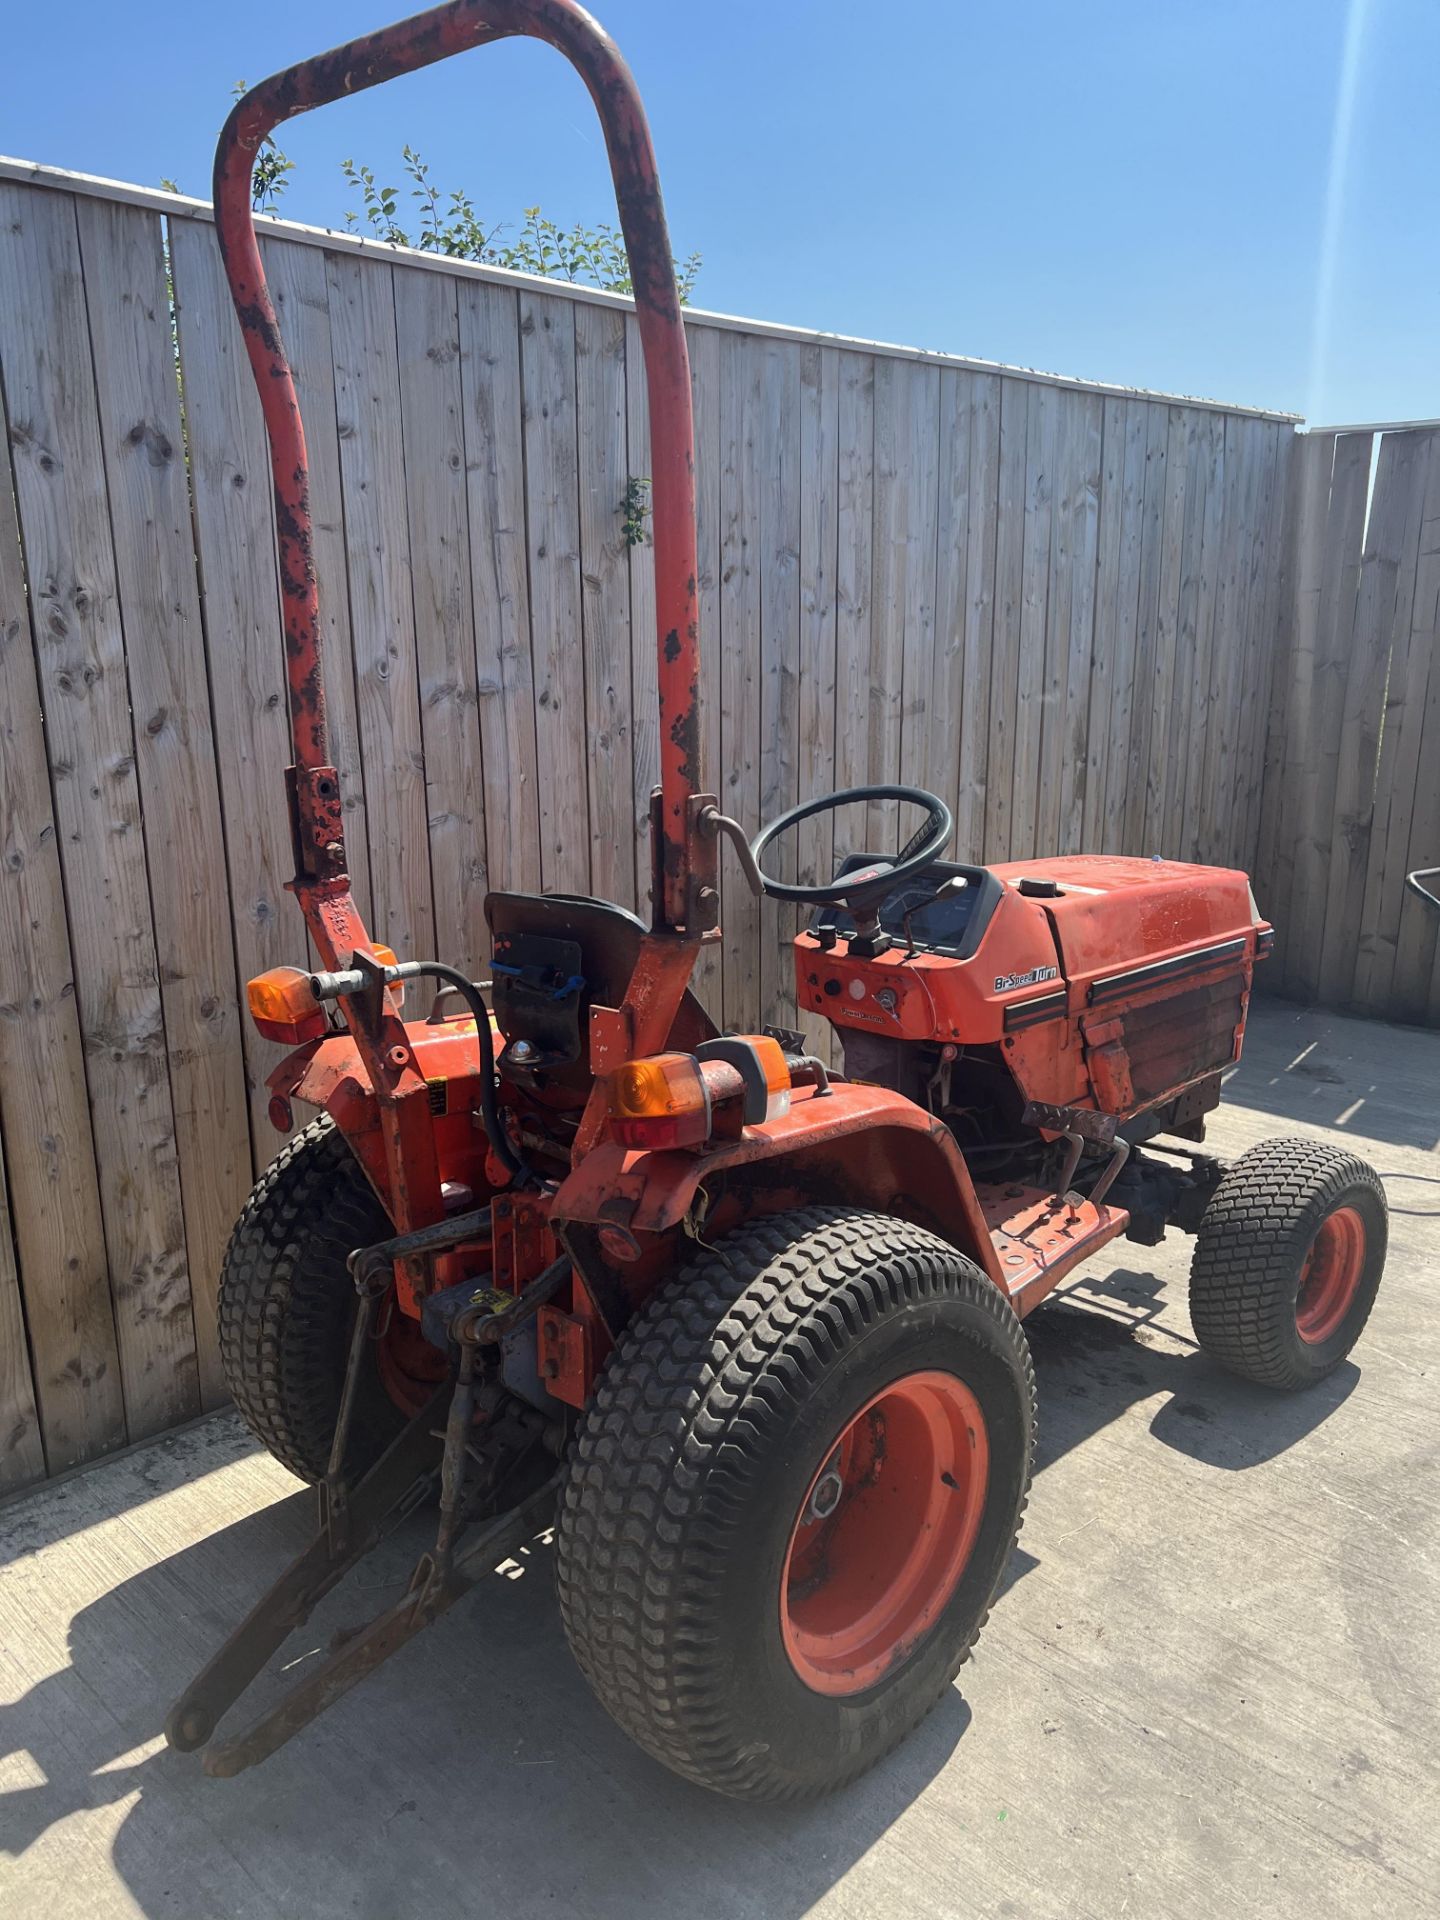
(1357, 1077)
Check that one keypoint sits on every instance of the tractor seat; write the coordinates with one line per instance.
(553, 957)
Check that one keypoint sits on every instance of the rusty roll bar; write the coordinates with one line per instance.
(367, 62)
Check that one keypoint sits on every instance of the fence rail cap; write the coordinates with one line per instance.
(1380, 426)
(184, 206)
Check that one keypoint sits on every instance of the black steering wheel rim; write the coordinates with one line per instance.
(927, 843)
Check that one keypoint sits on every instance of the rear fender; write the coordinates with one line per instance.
(859, 1145)
(331, 1074)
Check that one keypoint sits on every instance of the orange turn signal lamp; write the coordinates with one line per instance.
(283, 1005)
(284, 1008)
(668, 1100)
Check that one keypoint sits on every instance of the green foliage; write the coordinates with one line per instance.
(447, 223)
(271, 175)
(635, 509)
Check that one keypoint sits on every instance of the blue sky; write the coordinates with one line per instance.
(1159, 192)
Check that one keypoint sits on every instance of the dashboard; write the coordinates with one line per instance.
(943, 910)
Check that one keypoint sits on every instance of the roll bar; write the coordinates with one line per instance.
(367, 62)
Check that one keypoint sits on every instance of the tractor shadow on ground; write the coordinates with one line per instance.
(475, 1772)
(1094, 1361)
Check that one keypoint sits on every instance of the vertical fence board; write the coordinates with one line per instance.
(70, 561)
(741, 404)
(427, 326)
(779, 478)
(1315, 463)
(920, 719)
(1274, 845)
(1151, 555)
(974, 611)
(605, 597)
(948, 692)
(144, 456)
(500, 581)
(704, 348)
(1173, 713)
(886, 671)
(1075, 637)
(1266, 520)
(552, 508)
(1226, 692)
(1104, 642)
(235, 531)
(1239, 697)
(819, 537)
(1154, 747)
(999, 840)
(1052, 668)
(44, 1109)
(1336, 583)
(1195, 694)
(854, 589)
(382, 613)
(1042, 425)
(1117, 632)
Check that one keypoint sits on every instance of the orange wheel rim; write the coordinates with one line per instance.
(410, 1368)
(1330, 1275)
(884, 1533)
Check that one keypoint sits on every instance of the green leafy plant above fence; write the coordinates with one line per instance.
(445, 221)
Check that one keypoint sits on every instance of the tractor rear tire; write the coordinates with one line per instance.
(287, 1306)
(793, 1497)
(1287, 1262)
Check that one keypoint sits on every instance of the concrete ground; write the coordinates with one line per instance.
(1209, 1689)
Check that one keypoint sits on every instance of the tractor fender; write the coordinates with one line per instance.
(861, 1145)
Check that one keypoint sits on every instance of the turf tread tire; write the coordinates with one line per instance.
(1245, 1271)
(287, 1304)
(702, 1389)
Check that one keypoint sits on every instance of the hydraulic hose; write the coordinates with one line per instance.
(357, 980)
(519, 1170)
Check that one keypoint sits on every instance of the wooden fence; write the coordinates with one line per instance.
(1352, 784)
(1052, 603)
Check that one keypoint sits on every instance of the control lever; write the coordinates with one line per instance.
(955, 884)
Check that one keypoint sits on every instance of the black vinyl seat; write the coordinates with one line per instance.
(554, 956)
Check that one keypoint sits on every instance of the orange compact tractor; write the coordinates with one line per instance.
(747, 1332)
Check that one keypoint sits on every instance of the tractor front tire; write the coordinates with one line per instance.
(288, 1304)
(793, 1497)
(1287, 1262)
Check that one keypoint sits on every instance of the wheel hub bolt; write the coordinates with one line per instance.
(825, 1494)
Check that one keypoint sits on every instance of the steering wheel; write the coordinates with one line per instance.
(869, 884)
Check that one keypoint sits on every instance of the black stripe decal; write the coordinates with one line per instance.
(1265, 943)
(1137, 979)
(1029, 1013)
